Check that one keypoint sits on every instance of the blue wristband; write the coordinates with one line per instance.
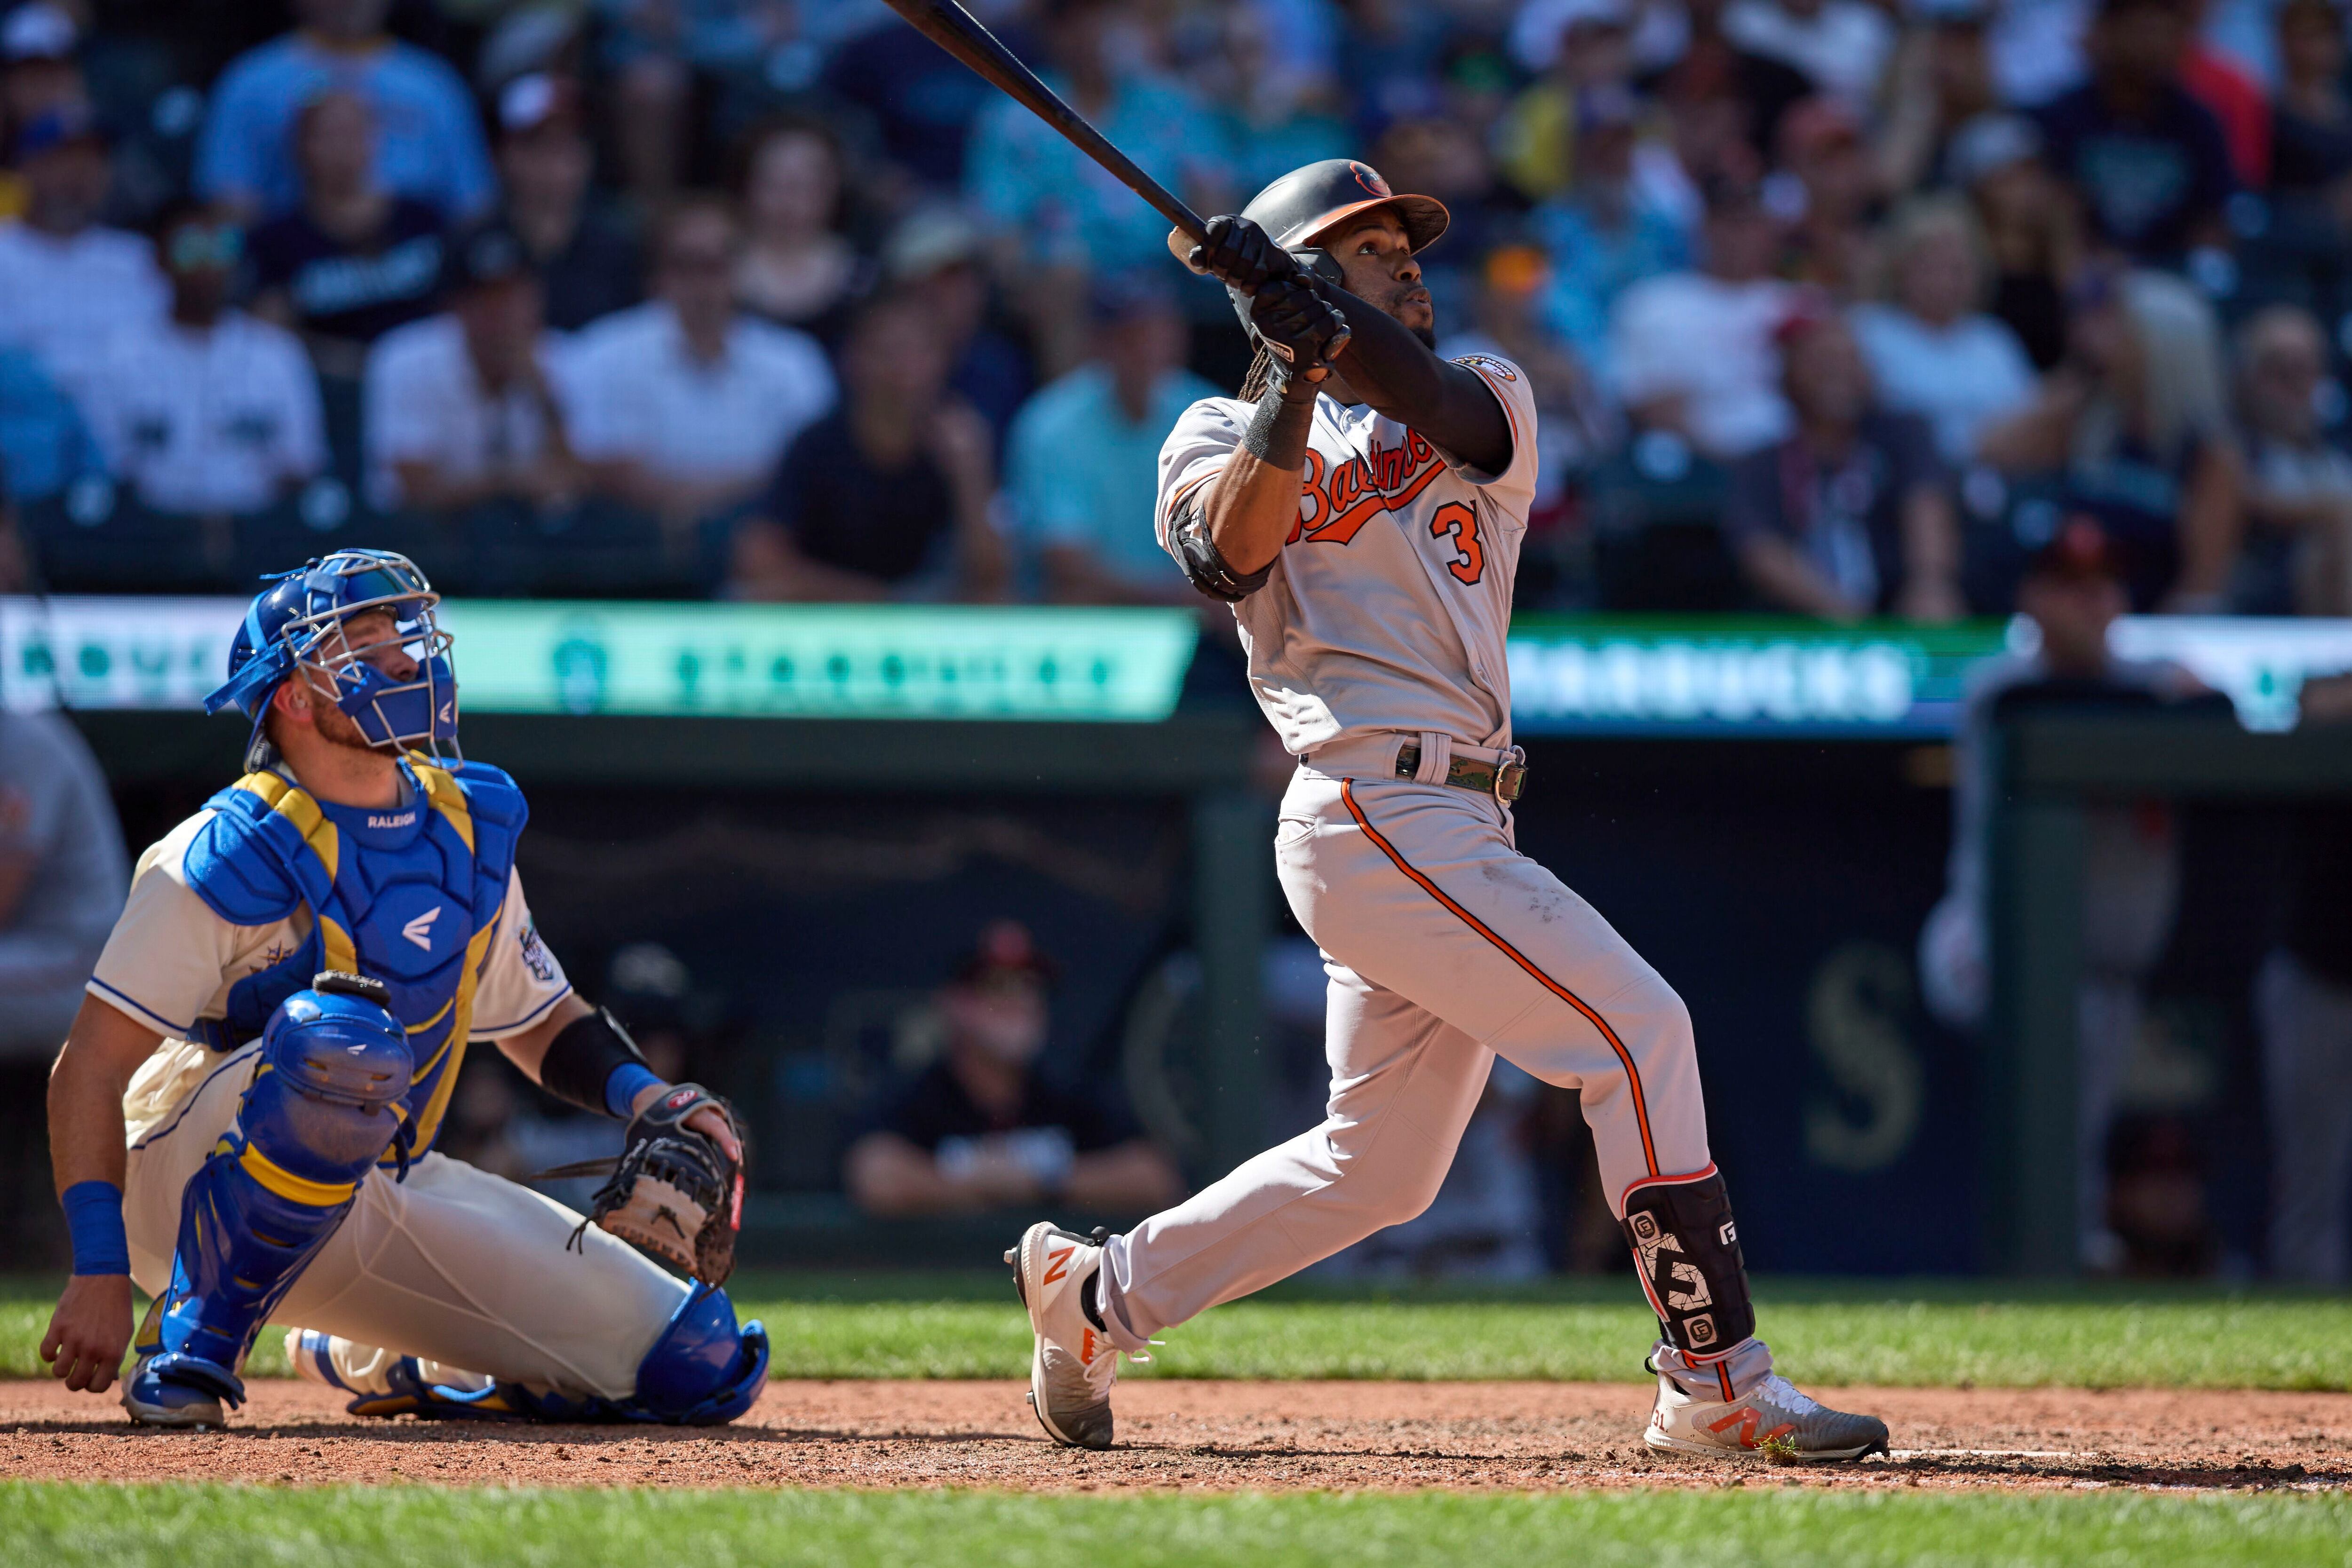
(94, 1216)
(624, 1083)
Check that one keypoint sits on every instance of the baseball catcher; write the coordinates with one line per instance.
(243, 1117)
(1360, 507)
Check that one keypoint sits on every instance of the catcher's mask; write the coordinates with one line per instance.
(1307, 203)
(298, 623)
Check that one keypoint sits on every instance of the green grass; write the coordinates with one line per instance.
(1917, 1332)
(197, 1527)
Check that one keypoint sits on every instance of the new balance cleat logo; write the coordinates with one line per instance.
(1057, 1263)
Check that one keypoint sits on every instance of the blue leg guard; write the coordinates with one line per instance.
(321, 1109)
(703, 1371)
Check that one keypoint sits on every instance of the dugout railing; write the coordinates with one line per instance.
(2051, 765)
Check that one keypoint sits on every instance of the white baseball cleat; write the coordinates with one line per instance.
(1075, 1364)
(1773, 1421)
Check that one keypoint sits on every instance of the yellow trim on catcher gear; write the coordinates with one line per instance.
(292, 802)
(291, 1187)
(477, 958)
(441, 789)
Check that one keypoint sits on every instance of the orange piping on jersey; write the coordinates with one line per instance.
(1633, 1075)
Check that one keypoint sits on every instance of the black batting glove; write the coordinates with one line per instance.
(1299, 325)
(1241, 254)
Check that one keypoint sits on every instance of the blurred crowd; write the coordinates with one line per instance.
(1834, 307)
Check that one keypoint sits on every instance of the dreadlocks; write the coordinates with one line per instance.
(1260, 376)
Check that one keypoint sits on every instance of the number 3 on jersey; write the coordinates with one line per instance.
(1469, 562)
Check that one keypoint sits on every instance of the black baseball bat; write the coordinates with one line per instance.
(959, 32)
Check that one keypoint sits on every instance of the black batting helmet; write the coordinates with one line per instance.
(1306, 202)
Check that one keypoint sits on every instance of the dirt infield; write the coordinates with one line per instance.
(1213, 1436)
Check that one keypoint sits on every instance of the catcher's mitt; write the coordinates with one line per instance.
(673, 1191)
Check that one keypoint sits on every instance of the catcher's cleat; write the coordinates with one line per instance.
(1771, 1421)
(166, 1398)
(399, 1386)
(179, 1391)
(1075, 1364)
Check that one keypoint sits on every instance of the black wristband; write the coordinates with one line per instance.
(583, 1056)
(1279, 427)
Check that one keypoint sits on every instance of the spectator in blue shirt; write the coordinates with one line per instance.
(1604, 232)
(1085, 452)
(429, 140)
(44, 445)
(1056, 212)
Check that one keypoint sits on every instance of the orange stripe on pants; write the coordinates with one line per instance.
(1633, 1073)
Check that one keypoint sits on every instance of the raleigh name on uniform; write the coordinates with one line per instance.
(244, 1113)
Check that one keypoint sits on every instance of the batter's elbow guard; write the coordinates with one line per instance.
(1197, 553)
(703, 1371)
(1686, 1251)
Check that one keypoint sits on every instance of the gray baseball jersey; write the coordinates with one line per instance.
(1389, 605)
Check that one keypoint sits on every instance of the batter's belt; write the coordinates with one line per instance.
(1427, 759)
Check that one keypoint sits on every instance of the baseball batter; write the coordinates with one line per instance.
(243, 1115)
(1362, 505)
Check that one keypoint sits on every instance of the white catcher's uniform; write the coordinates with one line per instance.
(460, 1268)
(1385, 622)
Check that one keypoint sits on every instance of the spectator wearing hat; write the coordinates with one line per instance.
(589, 262)
(1932, 349)
(209, 410)
(983, 1128)
(68, 283)
(1085, 465)
(2135, 425)
(797, 268)
(1850, 515)
(1606, 231)
(686, 402)
(429, 142)
(888, 497)
(2147, 161)
(2033, 232)
(1692, 352)
(40, 70)
(936, 254)
(353, 260)
(2071, 594)
(473, 404)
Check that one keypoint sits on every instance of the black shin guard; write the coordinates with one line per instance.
(1686, 1251)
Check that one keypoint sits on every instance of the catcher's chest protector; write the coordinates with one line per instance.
(410, 896)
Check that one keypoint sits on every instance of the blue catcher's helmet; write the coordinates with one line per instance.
(299, 621)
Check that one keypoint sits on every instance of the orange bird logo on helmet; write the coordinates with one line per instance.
(1368, 180)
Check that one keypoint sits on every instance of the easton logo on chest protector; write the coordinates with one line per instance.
(417, 908)
(1335, 502)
